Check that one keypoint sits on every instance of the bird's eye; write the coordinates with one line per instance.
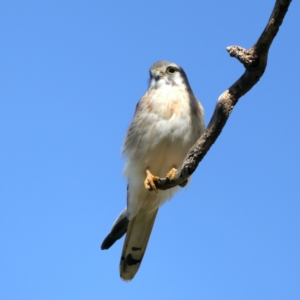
(171, 70)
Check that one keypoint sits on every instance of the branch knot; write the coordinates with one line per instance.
(247, 57)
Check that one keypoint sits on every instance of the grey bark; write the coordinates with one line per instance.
(255, 62)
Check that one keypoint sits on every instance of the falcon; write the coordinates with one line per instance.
(168, 120)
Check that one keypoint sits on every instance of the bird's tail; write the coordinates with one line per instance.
(135, 244)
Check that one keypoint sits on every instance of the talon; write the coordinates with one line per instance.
(171, 175)
(149, 182)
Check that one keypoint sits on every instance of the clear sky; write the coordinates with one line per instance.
(71, 75)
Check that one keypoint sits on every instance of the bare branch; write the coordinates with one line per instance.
(255, 62)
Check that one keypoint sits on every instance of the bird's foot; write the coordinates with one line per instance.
(149, 182)
(172, 173)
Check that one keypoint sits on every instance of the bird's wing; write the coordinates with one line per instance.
(117, 231)
(135, 244)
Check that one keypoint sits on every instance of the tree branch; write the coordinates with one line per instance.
(255, 62)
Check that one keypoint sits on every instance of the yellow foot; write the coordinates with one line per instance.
(149, 182)
(171, 175)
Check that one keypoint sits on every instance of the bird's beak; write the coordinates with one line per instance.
(157, 74)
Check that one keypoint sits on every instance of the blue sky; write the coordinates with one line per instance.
(71, 75)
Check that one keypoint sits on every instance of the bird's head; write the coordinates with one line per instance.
(166, 73)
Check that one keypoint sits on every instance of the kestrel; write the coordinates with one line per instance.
(168, 120)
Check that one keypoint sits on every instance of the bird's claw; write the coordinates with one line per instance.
(149, 182)
(171, 174)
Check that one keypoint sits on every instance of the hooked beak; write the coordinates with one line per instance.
(157, 74)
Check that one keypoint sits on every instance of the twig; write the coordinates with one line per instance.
(255, 62)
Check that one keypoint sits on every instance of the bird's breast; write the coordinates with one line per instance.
(168, 101)
(163, 129)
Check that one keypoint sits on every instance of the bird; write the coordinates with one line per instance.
(168, 120)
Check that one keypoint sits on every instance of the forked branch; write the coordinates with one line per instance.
(255, 62)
